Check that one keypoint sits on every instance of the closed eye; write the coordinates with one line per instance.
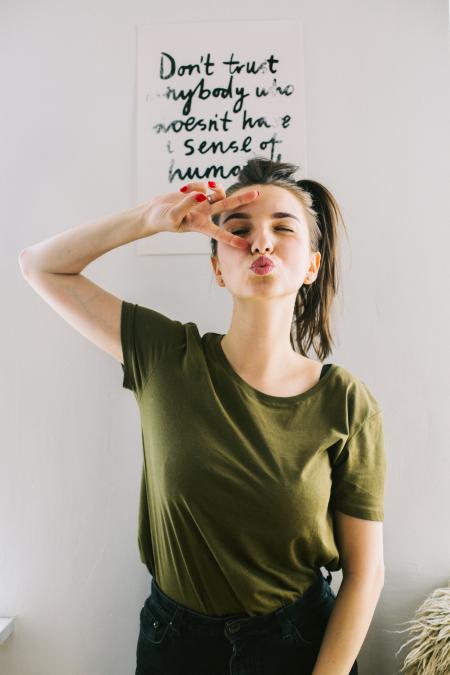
(286, 229)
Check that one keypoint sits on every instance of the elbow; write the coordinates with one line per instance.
(374, 575)
(23, 260)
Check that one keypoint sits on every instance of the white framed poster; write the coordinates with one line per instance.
(212, 95)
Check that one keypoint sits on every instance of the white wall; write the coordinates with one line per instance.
(378, 136)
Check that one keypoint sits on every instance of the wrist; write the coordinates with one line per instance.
(140, 214)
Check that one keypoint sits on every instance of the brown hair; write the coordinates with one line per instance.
(312, 310)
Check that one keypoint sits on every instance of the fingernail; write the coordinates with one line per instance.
(201, 197)
(184, 188)
(211, 183)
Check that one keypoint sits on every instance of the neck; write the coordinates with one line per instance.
(258, 340)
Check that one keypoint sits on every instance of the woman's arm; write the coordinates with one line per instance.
(52, 268)
(348, 625)
(69, 252)
(360, 544)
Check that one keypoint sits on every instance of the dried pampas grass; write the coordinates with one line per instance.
(430, 629)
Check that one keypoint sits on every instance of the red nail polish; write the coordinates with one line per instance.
(184, 188)
(211, 184)
(201, 197)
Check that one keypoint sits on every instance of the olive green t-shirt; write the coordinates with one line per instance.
(238, 486)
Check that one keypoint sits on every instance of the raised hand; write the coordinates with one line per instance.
(191, 212)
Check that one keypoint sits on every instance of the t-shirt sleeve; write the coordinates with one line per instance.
(147, 337)
(359, 471)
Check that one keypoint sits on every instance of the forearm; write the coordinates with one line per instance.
(69, 252)
(348, 625)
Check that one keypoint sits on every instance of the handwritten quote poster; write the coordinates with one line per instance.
(210, 97)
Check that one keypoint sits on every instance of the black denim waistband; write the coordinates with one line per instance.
(242, 624)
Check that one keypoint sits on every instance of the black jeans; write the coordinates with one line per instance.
(175, 640)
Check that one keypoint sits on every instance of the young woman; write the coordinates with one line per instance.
(261, 465)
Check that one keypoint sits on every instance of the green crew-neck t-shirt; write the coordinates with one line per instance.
(238, 486)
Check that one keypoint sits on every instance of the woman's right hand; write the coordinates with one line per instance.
(180, 212)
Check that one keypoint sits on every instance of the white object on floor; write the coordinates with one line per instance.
(6, 627)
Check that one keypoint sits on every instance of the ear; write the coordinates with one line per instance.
(217, 272)
(313, 268)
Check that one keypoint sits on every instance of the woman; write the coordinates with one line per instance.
(261, 465)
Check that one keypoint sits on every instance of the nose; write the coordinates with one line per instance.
(261, 244)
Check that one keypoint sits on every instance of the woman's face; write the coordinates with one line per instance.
(269, 231)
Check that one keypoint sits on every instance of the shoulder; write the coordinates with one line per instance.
(360, 402)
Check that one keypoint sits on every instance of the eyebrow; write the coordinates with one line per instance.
(246, 216)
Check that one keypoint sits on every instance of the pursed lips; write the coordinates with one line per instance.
(262, 261)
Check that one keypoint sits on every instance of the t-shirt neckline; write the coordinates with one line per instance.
(268, 398)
